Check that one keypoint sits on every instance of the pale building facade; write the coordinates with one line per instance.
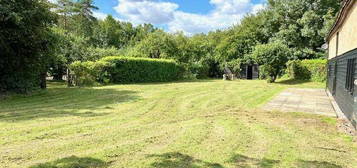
(342, 55)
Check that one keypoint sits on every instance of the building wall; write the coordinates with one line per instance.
(337, 75)
(332, 47)
(347, 34)
(344, 99)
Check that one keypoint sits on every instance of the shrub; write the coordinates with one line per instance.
(89, 73)
(235, 66)
(314, 70)
(295, 70)
(196, 70)
(263, 71)
(125, 70)
(273, 57)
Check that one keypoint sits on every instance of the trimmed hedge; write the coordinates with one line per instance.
(125, 70)
(314, 70)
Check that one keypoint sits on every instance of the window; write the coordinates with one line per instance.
(350, 75)
(337, 38)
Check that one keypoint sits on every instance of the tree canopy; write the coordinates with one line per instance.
(25, 43)
(38, 37)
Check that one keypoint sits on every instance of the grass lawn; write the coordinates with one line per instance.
(208, 123)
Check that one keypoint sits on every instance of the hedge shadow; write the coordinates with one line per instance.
(73, 162)
(179, 160)
(61, 102)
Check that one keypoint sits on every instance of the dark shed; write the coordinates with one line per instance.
(249, 71)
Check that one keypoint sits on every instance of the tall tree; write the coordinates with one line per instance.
(298, 24)
(113, 33)
(241, 39)
(84, 19)
(65, 9)
(141, 32)
(25, 43)
(156, 45)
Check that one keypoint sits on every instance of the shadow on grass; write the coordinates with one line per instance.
(241, 161)
(73, 162)
(61, 102)
(316, 164)
(292, 82)
(176, 160)
(169, 82)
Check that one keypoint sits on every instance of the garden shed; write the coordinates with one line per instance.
(249, 71)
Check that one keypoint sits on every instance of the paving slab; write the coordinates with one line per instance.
(314, 101)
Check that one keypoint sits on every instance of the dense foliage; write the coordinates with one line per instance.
(314, 70)
(89, 73)
(25, 43)
(28, 29)
(300, 24)
(272, 57)
(125, 70)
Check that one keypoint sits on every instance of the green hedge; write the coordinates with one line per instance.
(314, 70)
(125, 70)
(89, 73)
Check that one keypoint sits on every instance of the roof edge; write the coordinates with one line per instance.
(340, 17)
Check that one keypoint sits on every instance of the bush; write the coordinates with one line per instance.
(273, 57)
(125, 70)
(295, 70)
(235, 66)
(263, 71)
(89, 73)
(196, 70)
(314, 70)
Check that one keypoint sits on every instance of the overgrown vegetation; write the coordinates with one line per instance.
(314, 70)
(76, 35)
(272, 57)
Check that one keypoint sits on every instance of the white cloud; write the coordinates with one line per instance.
(194, 23)
(100, 15)
(258, 7)
(146, 11)
(225, 13)
(231, 6)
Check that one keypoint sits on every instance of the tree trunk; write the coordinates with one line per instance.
(274, 78)
(69, 78)
(43, 84)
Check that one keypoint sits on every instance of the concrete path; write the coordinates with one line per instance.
(313, 101)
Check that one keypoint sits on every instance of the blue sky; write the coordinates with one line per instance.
(189, 16)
